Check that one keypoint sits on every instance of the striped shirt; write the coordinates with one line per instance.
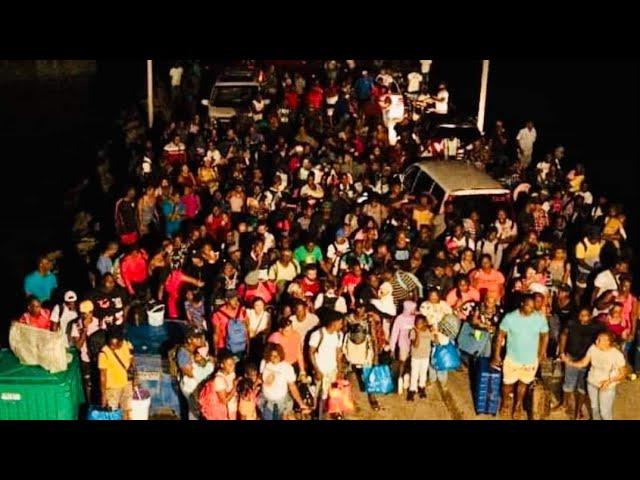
(403, 287)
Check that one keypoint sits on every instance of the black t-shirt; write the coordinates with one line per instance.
(581, 337)
(109, 306)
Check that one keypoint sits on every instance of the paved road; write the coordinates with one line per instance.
(456, 403)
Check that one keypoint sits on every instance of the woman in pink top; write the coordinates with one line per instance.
(172, 288)
(291, 343)
(488, 280)
(191, 202)
(461, 297)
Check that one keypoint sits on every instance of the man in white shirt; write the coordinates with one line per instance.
(176, 80)
(441, 100)
(325, 346)
(425, 68)
(609, 279)
(66, 312)
(303, 321)
(414, 79)
(384, 78)
(525, 139)
(585, 194)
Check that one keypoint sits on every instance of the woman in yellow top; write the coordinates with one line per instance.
(575, 178)
(613, 230)
(116, 365)
(208, 176)
(422, 214)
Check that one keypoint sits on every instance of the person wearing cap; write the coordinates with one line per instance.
(65, 313)
(335, 253)
(81, 329)
(232, 309)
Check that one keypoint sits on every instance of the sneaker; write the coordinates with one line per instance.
(411, 396)
(422, 393)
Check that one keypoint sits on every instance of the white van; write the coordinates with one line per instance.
(231, 99)
(460, 183)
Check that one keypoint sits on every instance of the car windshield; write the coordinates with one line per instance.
(233, 96)
(486, 205)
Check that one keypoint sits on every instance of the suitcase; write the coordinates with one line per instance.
(539, 401)
(486, 387)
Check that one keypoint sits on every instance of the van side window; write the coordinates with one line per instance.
(409, 178)
(423, 183)
(438, 194)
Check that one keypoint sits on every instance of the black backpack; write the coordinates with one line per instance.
(357, 333)
(329, 302)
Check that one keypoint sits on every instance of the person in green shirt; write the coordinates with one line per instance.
(309, 253)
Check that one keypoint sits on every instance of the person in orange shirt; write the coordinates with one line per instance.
(291, 343)
(487, 279)
(36, 316)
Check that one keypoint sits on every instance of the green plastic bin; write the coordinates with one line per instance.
(32, 393)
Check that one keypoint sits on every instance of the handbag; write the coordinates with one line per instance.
(378, 379)
(445, 357)
(471, 343)
(99, 413)
(131, 373)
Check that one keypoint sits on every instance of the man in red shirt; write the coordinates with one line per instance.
(133, 269)
(36, 316)
(221, 317)
(315, 96)
(310, 284)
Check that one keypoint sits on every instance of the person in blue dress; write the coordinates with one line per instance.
(173, 211)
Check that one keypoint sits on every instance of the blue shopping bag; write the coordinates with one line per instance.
(445, 357)
(99, 413)
(378, 379)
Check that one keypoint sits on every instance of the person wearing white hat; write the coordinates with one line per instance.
(66, 312)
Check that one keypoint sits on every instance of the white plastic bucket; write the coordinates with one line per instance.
(155, 315)
(140, 407)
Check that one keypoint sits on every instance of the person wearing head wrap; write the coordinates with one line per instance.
(385, 306)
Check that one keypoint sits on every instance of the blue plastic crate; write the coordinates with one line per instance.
(486, 387)
(152, 375)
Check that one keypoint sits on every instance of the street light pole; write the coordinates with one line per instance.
(150, 92)
(483, 94)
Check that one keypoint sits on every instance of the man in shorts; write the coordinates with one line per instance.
(527, 335)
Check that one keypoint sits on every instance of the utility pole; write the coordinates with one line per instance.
(483, 94)
(150, 92)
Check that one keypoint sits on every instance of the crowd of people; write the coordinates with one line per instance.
(287, 242)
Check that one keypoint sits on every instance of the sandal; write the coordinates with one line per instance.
(374, 405)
